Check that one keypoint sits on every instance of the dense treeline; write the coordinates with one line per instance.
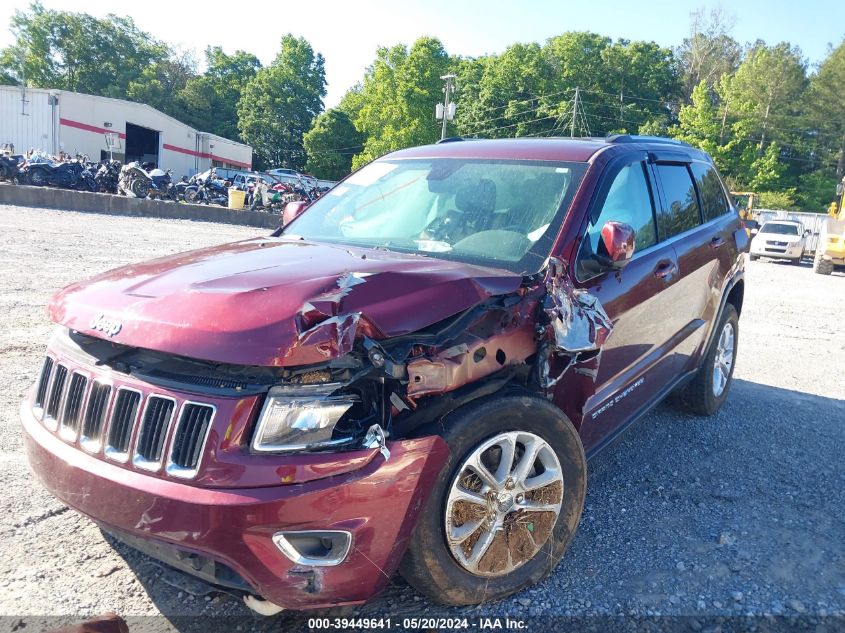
(773, 124)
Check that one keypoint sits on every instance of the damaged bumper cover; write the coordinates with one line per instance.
(376, 504)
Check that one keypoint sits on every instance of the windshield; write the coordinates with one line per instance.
(780, 229)
(493, 212)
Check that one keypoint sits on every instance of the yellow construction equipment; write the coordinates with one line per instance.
(745, 203)
(830, 252)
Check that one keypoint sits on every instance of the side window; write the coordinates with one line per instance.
(681, 212)
(628, 200)
(710, 189)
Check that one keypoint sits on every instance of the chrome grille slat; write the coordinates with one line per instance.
(73, 403)
(95, 413)
(43, 382)
(155, 422)
(189, 439)
(57, 386)
(124, 414)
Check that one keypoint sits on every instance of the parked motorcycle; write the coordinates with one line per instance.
(161, 185)
(134, 181)
(70, 175)
(9, 166)
(107, 176)
(208, 189)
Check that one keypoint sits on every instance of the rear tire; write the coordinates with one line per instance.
(525, 549)
(821, 265)
(139, 188)
(701, 396)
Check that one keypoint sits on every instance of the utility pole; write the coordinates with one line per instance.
(574, 112)
(446, 110)
(621, 105)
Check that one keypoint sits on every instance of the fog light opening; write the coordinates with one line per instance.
(314, 548)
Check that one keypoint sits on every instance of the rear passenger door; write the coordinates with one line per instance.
(637, 361)
(703, 241)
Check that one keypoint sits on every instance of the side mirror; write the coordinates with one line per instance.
(292, 211)
(617, 243)
(807, 233)
(755, 231)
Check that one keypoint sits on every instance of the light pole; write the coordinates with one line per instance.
(446, 110)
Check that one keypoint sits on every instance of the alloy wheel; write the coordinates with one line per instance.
(724, 359)
(503, 503)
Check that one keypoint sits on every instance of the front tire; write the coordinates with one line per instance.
(708, 390)
(821, 265)
(753, 258)
(485, 535)
(139, 188)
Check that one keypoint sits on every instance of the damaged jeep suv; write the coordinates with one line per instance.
(407, 376)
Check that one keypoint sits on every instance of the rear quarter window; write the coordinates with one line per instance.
(711, 191)
(680, 212)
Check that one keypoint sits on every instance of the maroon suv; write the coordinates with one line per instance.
(407, 376)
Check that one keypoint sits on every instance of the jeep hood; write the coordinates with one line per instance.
(273, 301)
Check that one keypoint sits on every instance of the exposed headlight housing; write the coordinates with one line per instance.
(300, 417)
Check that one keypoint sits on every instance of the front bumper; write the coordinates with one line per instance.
(775, 251)
(378, 503)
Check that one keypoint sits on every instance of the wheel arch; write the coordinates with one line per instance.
(736, 295)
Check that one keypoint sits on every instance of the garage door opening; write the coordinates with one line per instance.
(141, 144)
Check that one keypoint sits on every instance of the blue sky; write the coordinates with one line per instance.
(347, 33)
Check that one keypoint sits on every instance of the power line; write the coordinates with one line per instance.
(535, 98)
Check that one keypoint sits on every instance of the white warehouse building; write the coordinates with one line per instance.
(57, 120)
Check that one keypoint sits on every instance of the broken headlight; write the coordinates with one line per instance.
(300, 419)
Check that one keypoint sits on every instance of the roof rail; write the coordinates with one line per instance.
(451, 139)
(635, 138)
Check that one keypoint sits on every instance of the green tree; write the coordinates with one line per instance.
(709, 53)
(765, 92)
(330, 145)
(767, 171)
(826, 106)
(279, 103)
(210, 102)
(397, 98)
(504, 96)
(78, 52)
(160, 84)
(700, 124)
(528, 89)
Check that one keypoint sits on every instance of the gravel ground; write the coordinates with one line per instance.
(741, 514)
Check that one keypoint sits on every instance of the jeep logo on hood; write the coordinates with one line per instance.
(107, 326)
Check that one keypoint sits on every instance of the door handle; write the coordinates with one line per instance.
(717, 241)
(665, 270)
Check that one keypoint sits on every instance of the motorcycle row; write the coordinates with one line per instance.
(146, 180)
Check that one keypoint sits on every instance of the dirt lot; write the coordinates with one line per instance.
(742, 514)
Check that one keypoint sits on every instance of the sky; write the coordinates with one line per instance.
(348, 33)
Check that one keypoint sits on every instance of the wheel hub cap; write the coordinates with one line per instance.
(503, 503)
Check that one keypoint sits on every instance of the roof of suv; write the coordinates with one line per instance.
(564, 149)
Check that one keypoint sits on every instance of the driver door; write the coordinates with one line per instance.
(642, 300)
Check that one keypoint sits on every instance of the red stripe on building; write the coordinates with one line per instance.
(88, 128)
(193, 152)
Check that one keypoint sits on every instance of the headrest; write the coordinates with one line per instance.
(478, 198)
